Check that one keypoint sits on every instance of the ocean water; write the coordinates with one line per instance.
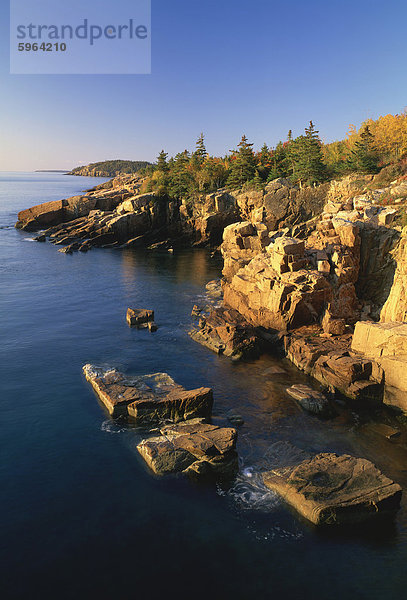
(81, 517)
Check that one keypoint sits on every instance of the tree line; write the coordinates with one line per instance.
(304, 160)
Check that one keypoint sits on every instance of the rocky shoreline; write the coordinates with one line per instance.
(318, 275)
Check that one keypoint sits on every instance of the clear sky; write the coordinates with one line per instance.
(224, 67)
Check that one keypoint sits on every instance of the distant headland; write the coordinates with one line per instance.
(110, 168)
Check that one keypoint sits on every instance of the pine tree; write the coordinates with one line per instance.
(264, 162)
(200, 151)
(306, 154)
(162, 164)
(243, 164)
(364, 156)
(181, 177)
(280, 162)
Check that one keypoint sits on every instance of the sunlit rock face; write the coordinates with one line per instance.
(395, 308)
(386, 344)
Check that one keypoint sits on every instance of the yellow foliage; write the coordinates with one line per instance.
(390, 132)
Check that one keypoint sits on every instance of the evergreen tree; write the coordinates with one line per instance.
(280, 162)
(306, 154)
(162, 161)
(257, 181)
(181, 176)
(243, 164)
(200, 151)
(364, 156)
(264, 162)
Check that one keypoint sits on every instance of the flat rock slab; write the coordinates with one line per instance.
(136, 317)
(193, 448)
(329, 489)
(310, 400)
(148, 398)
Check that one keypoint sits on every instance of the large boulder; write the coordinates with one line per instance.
(193, 448)
(226, 332)
(136, 203)
(148, 398)
(332, 363)
(328, 489)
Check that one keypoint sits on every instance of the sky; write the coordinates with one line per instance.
(224, 68)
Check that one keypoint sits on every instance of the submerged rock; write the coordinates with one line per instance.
(148, 398)
(331, 490)
(310, 400)
(193, 448)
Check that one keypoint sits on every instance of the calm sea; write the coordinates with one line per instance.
(80, 515)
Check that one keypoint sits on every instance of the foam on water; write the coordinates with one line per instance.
(249, 492)
(110, 426)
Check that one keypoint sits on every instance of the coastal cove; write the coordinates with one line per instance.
(82, 515)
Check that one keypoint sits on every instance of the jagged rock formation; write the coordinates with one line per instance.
(104, 197)
(117, 214)
(315, 286)
(328, 489)
(281, 204)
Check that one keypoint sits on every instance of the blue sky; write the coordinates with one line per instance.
(223, 67)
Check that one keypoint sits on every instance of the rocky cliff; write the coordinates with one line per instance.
(305, 264)
(312, 282)
(116, 213)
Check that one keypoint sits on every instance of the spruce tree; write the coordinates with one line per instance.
(364, 156)
(264, 162)
(200, 151)
(307, 158)
(243, 164)
(280, 162)
(162, 164)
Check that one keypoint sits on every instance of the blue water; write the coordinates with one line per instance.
(80, 515)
